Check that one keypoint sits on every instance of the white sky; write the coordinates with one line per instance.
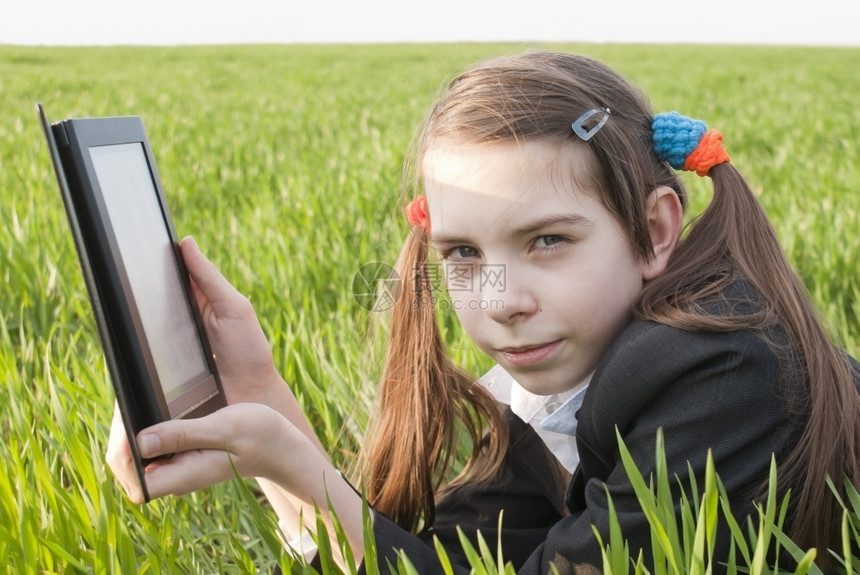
(71, 22)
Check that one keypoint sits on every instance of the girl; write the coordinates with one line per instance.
(553, 169)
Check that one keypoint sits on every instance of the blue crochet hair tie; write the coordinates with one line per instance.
(675, 137)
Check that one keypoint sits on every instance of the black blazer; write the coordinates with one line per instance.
(723, 392)
(530, 489)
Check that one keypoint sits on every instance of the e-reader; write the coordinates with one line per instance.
(154, 341)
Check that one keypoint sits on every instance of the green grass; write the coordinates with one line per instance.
(284, 163)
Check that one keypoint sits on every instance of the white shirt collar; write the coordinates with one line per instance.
(553, 417)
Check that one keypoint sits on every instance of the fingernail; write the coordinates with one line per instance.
(148, 445)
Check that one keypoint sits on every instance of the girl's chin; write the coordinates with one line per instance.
(541, 383)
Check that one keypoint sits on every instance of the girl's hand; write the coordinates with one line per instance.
(245, 438)
(251, 438)
(262, 433)
(242, 352)
(119, 459)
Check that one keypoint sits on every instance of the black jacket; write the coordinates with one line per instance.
(723, 392)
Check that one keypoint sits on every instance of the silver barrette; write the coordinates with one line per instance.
(586, 133)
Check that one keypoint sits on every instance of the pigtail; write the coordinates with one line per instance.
(422, 396)
(830, 443)
(733, 239)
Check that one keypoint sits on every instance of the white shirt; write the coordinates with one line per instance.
(553, 417)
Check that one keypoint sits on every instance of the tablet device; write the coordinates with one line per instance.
(155, 346)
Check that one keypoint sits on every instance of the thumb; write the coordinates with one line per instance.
(178, 435)
(208, 281)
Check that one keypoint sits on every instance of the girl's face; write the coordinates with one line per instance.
(540, 274)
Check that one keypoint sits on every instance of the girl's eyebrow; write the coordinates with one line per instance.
(545, 222)
(525, 230)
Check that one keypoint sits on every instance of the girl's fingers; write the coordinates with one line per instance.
(187, 472)
(119, 459)
(181, 435)
(242, 434)
(208, 278)
(198, 455)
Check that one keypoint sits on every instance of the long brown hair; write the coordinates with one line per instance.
(424, 400)
(535, 96)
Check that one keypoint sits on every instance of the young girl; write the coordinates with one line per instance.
(550, 195)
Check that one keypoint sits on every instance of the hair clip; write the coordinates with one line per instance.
(417, 213)
(586, 133)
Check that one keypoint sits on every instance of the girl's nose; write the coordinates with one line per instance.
(510, 298)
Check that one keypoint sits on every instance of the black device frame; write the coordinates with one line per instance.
(127, 351)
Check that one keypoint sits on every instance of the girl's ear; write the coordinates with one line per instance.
(665, 217)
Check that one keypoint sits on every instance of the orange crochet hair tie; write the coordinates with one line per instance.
(708, 153)
(417, 214)
(685, 143)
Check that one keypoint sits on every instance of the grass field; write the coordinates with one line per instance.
(284, 163)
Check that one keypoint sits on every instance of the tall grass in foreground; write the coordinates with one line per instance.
(284, 163)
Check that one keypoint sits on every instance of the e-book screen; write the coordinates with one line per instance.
(150, 264)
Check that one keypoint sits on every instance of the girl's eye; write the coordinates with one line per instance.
(460, 253)
(544, 242)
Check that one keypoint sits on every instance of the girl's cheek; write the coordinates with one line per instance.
(462, 304)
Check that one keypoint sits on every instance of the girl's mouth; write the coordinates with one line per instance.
(530, 355)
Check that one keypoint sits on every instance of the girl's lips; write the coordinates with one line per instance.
(525, 356)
